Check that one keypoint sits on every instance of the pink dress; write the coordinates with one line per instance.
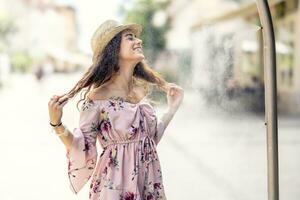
(128, 167)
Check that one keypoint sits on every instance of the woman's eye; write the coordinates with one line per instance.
(130, 38)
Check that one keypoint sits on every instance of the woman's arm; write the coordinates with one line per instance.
(174, 96)
(167, 116)
(66, 139)
(162, 123)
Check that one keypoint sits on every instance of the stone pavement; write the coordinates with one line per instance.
(204, 154)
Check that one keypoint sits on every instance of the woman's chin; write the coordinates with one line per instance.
(140, 57)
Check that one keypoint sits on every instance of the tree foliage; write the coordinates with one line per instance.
(143, 12)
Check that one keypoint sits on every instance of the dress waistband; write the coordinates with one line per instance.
(148, 149)
(120, 142)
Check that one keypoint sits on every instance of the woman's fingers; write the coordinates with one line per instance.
(59, 98)
(56, 101)
(56, 104)
(52, 101)
(173, 88)
(54, 98)
(64, 103)
(63, 98)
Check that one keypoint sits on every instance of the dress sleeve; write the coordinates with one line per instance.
(82, 156)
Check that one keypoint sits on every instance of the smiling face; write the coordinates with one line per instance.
(131, 47)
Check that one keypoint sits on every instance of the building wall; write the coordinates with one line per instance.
(185, 13)
(286, 66)
(248, 51)
(43, 28)
(180, 40)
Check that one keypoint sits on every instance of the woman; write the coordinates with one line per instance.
(117, 114)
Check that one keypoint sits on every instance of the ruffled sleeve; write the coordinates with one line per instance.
(82, 156)
(153, 124)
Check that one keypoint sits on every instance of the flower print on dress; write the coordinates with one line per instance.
(109, 184)
(117, 103)
(91, 136)
(95, 186)
(105, 171)
(113, 161)
(159, 173)
(86, 105)
(132, 131)
(148, 154)
(89, 141)
(94, 130)
(153, 191)
(128, 196)
(102, 154)
(142, 125)
(135, 171)
(104, 125)
(141, 172)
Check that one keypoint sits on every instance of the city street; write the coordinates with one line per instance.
(205, 154)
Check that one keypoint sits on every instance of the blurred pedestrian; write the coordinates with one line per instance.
(39, 72)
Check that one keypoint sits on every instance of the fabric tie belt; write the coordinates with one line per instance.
(148, 146)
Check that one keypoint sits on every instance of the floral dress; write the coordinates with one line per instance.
(128, 167)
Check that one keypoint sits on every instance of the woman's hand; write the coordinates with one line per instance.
(175, 96)
(55, 107)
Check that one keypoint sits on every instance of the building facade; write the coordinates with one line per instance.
(243, 73)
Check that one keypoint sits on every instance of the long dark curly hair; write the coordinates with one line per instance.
(106, 66)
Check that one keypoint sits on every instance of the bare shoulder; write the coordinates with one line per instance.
(104, 92)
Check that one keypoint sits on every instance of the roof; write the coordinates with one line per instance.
(243, 11)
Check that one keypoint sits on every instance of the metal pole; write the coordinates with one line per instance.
(270, 97)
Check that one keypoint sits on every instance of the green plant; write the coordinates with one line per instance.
(143, 12)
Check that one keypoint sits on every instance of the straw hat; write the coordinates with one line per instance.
(105, 33)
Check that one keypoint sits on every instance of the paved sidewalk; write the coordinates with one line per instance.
(204, 154)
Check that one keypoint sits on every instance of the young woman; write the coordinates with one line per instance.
(116, 112)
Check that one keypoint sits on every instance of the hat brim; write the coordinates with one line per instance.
(135, 28)
(101, 43)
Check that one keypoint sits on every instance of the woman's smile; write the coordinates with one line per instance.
(138, 49)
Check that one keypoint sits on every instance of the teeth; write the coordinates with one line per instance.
(138, 49)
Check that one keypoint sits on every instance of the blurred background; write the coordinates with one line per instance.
(215, 146)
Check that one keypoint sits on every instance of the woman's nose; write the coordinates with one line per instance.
(139, 41)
